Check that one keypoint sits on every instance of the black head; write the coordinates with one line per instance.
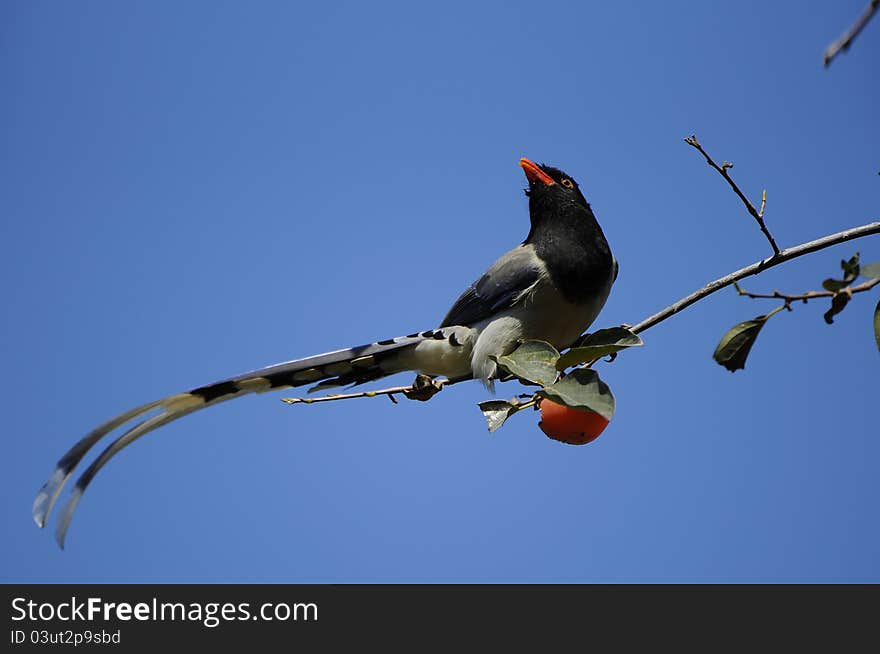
(565, 233)
(550, 187)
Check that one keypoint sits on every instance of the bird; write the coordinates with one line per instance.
(551, 287)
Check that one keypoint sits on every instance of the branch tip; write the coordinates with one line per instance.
(722, 170)
(842, 44)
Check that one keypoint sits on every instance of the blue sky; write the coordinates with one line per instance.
(190, 190)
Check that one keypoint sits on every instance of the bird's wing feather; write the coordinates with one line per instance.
(506, 282)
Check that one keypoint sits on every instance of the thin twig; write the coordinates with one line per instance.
(842, 44)
(345, 396)
(809, 295)
(722, 170)
(757, 267)
(423, 389)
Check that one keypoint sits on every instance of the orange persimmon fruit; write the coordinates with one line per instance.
(572, 426)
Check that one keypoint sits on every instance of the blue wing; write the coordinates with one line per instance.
(503, 285)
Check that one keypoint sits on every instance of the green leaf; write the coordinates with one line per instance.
(850, 268)
(871, 270)
(838, 304)
(582, 389)
(533, 361)
(851, 271)
(877, 325)
(597, 345)
(497, 411)
(734, 347)
(834, 285)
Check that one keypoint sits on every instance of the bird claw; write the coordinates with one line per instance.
(424, 387)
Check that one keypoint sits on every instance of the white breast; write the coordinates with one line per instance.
(542, 315)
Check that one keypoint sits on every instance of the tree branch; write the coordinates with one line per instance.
(809, 295)
(722, 170)
(757, 267)
(843, 43)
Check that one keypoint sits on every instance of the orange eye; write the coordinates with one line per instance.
(567, 183)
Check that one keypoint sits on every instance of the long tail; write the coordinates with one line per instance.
(350, 366)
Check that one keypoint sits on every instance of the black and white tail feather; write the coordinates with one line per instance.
(350, 366)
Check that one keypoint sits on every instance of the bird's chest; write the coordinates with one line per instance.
(548, 316)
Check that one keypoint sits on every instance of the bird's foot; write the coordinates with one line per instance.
(424, 387)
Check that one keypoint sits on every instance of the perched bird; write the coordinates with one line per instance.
(551, 287)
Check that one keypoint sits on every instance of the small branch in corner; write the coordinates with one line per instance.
(722, 170)
(842, 44)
